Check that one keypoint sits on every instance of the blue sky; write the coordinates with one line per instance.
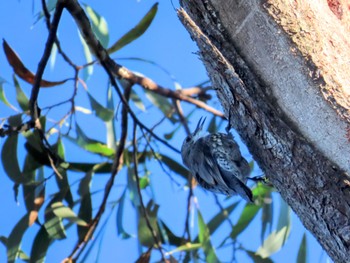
(168, 44)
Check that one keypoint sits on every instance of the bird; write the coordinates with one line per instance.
(216, 162)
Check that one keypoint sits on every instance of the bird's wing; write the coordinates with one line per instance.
(204, 165)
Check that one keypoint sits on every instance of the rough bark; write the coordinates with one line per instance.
(282, 74)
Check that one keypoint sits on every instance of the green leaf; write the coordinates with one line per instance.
(220, 217)
(119, 218)
(171, 238)
(247, 216)
(143, 232)
(85, 209)
(162, 104)
(137, 100)
(65, 212)
(20, 96)
(187, 247)
(40, 246)
(3, 96)
(15, 238)
(63, 183)
(88, 70)
(144, 182)
(302, 253)
(99, 26)
(100, 111)
(266, 217)
(9, 159)
(90, 145)
(135, 32)
(132, 187)
(273, 242)
(204, 239)
(110, 125)
(53, 224)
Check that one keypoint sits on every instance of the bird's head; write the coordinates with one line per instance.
(193, 137)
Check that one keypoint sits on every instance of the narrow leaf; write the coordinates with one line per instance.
(273, 242)
(90, 145)
(119, 218)
(20, 96)
(99, 26)
(247, 216)
(302, 253)
(21, 70)
(15, 238)
(40, 246)
(220, 217)
(100, 111)
(9, 159)
(65, 212)
(85, 209)
(204, 239)
(3, 97)
(88, 70)
(135, 32)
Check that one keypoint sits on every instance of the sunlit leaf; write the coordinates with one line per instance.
(90, 145)
(15, 238)
(204, 239)
(100, 111)
(53, 224)
(135, 32)
(137, 100)
(110, 125)
(21, 70)
(20, 96)
(67, 213)
(273, 243)
(144, 182)
(99, 25)
(88, 70)
(246, 217)
(119, 218)
(40, 246)
(3, 97)
(302, 253)
(186, 247)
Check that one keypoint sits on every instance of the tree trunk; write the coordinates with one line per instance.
(281, 71)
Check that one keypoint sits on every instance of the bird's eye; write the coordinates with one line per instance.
(188, 138)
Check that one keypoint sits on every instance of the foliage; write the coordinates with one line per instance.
(43, 152)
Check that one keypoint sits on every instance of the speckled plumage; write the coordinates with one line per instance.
(216, 162)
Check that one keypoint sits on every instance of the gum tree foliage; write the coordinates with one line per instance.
(57, 192)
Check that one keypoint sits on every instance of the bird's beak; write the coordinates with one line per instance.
(199, 125)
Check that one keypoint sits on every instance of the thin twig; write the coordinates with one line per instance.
(117, 164)
(153, 232)
(33, 102)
